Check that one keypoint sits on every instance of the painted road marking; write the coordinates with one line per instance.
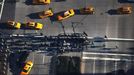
(115, 67)
(110, 59)
(94, 68)
(2, 5)
(105, 66)
(115, 54)
(82, 67)
(43, 59)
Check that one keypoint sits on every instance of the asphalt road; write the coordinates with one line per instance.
(107, 63)
(100, 24)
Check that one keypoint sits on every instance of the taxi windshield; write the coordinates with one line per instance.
(26, 70)
(36, 24)
(15, 24)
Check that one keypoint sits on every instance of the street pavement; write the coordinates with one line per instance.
(106, 63)
(41, 63)
(100, 24)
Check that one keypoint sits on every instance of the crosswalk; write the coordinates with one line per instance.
(104, 63)
(106, 56)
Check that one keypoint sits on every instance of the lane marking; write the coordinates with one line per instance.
(105, 66)
(114, 39)
(115, 54)
(119, 39)
(100, 58)
(2, 8)
(83, 67)
(43, 59)
(115, 67)
(94, 64)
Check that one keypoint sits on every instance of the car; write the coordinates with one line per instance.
(27, 68)
(41, 1)
(87, 10)
(66, 14)
(45, 14)
(14, 24)
(124, 10)
(34, 25)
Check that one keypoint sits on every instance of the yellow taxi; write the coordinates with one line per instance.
(41, 1)
(66, 14)
(125, 10)
(14, 24)
(87, 10)
(45, 14)
(34, 25)
(27, 68)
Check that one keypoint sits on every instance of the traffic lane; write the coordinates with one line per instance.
(103, 23)
(29, 9)
(32, 9)
(7, 16)
(44, 64)
(103, 65)
(94, 26)
(50, 28)
(17, 62)
(125, 29)
(107, 67)
(41, 63)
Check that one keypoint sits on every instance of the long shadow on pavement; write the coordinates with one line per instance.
(34, 15)
(125, 1)
(112, 12)
(59, 0)
(5, 26)
(28, 2)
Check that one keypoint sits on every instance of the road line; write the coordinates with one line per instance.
(82, 67)
(43, 59)
(2, 8)
(105, 66)
(119, 39)
(115, 67)
(100, 58)
(107, 54)
(94, 64)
